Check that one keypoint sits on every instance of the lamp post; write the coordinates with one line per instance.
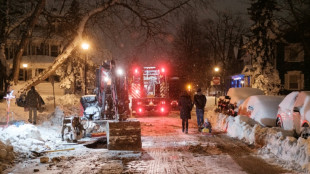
(85, 46)
(216, 69)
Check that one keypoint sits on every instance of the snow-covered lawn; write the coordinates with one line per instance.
(276, 144)
(22, 138)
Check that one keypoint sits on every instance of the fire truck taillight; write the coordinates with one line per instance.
(163, 102)
(137, 91)
(163, 70)
(136, 70)
(140, 110)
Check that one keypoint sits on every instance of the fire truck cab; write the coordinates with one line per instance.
(149, 90)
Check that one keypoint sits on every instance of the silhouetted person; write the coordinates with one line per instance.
(185, 106)
(33, 102)
(200, 102)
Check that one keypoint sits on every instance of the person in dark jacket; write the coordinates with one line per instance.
(33, 102)
(185, 106)
(200, 103)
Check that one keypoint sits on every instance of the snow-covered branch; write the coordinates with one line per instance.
(66, 53)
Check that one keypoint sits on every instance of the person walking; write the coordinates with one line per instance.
(200, 103)
(33, 102)
(185, 105)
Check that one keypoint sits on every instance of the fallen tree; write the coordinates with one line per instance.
(60, 59)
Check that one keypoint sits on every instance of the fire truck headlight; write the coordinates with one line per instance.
(119, 72)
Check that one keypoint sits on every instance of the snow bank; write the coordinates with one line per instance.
(26, 138)
(275, 143)
(68, 99)
(23, 138)
(6, 156)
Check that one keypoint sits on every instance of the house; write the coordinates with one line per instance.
(39, 54)
(293, 66)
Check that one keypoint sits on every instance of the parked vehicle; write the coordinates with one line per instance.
(294, 113)
(235, 97)
(238, 95)
(261, 108)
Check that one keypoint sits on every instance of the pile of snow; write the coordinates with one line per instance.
(238, 95)
(275, 143)
(27, 138)
(68, 99)
(54, 118)
(6, 156)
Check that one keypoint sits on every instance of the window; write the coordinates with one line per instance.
(294, 80)
(38, 71)
(294, 53)
(54, 50)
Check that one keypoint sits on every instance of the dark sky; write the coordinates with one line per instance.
(152, 54)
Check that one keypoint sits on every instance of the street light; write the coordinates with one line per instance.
(216, 69)
(189, 87)
(85, 46)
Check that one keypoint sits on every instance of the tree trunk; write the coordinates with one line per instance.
(25, 38)
(67, 52)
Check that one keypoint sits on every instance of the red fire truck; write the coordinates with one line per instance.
(149, 90)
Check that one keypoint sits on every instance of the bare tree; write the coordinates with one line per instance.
(25, 38)
(295, 16)
(222, 35)
(189, 52)
(12, 15)
(145, 13)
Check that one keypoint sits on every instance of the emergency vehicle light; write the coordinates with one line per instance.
(162, 70)
(162, 109)
(140, 110)
(136, 71)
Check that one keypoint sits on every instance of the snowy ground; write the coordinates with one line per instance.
(165, 148)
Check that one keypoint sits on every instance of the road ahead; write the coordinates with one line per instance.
(165, 150)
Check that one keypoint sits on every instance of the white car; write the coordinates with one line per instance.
(261, 108)
(238, 95)
(294, 113)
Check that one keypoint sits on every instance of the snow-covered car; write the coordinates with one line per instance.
(294, 113)
(238, 95)
(261, 108)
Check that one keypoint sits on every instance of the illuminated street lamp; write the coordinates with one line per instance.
(216, 69)
(189, 87)
(85, 46)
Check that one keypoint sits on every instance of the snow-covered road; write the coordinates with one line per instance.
(165, 150)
